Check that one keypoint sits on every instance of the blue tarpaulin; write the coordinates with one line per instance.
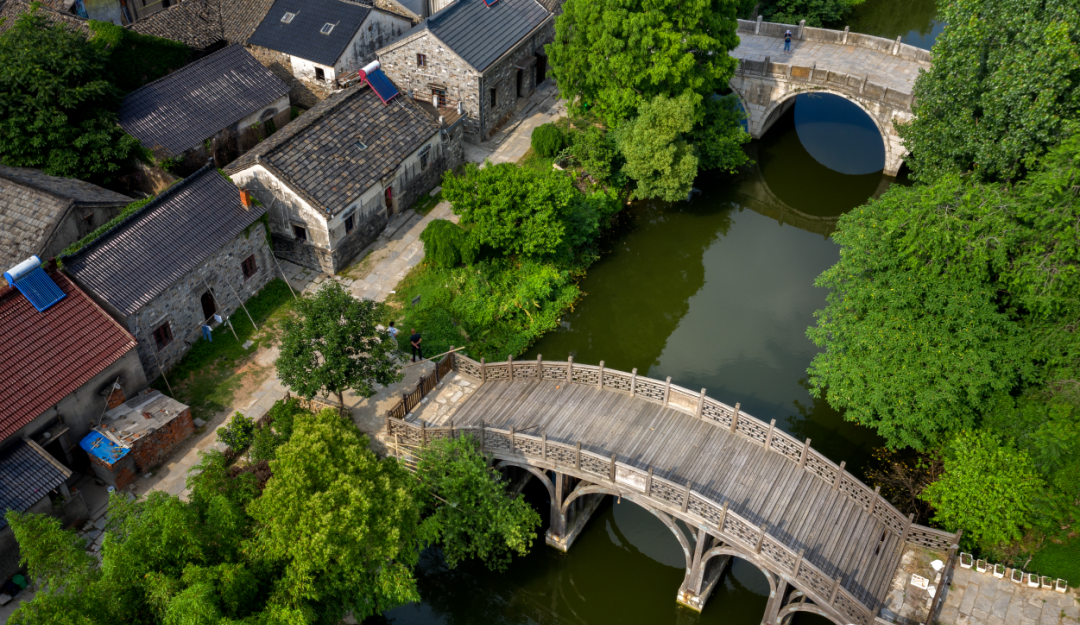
(97, 445)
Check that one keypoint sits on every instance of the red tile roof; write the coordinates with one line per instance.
(45, 356)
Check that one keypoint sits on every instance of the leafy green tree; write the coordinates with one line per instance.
(281, 419)
(1005, 81)
(595, 149)
(341, 525)
(947, 296)
(658, 159)
(334, 344)
(988, 489)
(56, 103)
(466, 510)
(447, 244)
(548, 140)
(238, 433)
(615, 56)
(718, 135)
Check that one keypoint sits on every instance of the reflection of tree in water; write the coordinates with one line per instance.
(831, 435)
(637, 293)
(891, 19)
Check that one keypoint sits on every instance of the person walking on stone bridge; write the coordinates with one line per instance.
(414, 340)
(787, 41)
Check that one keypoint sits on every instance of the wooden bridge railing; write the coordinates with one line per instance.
(424, 385)
(692, 504)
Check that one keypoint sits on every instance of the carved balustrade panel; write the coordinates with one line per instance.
(617, 381)
(753, 429)
(778, 554)
(589, 376)
(820, 467)
(854, 489)
(786, 446)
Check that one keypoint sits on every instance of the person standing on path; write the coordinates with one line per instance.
(414, 340)
(393, 331)
(787, 41)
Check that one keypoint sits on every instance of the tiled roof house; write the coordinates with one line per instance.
(62, 367)
(167, 269)
(41, 214)
(217, 99)
(479, 56)
(334, 177)
(321, 41)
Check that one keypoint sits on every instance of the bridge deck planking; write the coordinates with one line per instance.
(837, 533)
(883, 68)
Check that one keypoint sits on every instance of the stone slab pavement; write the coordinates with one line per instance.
(881, 67)
(981, 599)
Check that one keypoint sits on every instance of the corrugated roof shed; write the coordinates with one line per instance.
(480, 34)
(181, 110)
(33, 203)
(26, 475)
(317, 155)
(157, 245)
(44, 356)
(302, 36)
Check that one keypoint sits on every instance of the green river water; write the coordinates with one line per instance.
(716, 292)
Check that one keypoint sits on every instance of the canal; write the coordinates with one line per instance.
(716, 292)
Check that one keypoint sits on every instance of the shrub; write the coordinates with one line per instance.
(548, 140)
(277, 431)
(446, 244)
(239, 433)
(595, 149)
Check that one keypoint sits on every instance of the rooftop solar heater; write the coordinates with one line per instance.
(35, 285)
(381, 85)
(490, 2)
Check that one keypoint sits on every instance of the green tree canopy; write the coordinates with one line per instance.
(1005, 81)
(334, 345)
(988, 489)
(56, 102)
(615, 56)
(658, 158)
(948, 295)
(466, 508)
(341, 525)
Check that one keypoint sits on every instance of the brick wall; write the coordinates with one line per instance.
(151, 451)
(119, 475)
(181, 304)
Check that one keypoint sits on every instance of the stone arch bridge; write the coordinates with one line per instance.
(741, 488)
(876, 74)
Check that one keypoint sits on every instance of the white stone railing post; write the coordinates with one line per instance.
(757, 27)
(802, 25)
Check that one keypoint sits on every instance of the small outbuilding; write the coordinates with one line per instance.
(218, 106)
(136, 436)
(189, 257)
(334, 177)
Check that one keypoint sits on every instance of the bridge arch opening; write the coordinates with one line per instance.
(836, 131)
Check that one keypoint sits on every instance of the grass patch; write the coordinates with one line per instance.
(1059, 560)
(426, 203)
(532, 160)
(207, 377)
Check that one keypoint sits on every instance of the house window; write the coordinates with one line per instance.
(300, 233)
(249, 267)
(360, 145)
(438, 97)
(163, 335)
(327, 27)
(493, 96)
(287, 18)
(421, 60)
(319, 74)
(425, 155)
(350, 222)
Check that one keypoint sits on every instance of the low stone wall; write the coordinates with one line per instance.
(840, 37)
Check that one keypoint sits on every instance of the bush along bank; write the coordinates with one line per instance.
(508, 272)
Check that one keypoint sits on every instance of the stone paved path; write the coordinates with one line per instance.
(981, 599)
(882, 67)
(514, 139)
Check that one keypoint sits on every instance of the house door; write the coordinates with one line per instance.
(208, 307)
(541, 68)
(389, 201)
(520, 80)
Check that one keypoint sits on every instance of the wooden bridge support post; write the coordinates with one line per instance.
(567, 521)
(776, 602)
(704, 573)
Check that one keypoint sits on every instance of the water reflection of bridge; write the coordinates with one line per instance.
(827, 543)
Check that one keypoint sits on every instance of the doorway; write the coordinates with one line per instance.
(541, 68)
(520, 82)
(208, 307)
(389, 201)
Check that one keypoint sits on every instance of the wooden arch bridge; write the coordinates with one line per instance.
(742, 488)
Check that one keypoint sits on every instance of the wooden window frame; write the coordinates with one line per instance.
(299, 232)
(249, 267)
(163, 336)
(421, 60)
(350, 223)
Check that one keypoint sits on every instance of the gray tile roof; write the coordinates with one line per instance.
(301, 37)
(317, 155)
(196, 23)
(10, 10)
(33, 203)
(240, 18)
(157, 245)
(25, 477)
(181, 110)
(480, 34)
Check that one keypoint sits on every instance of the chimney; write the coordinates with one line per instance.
(245, 198)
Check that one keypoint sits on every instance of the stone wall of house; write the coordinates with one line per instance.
(303, 253)
(80, 221)
(363, 235)
(443, 69)
(503, 78)
(379, 29)
(181, 304)
(149, 452)
(302, 93)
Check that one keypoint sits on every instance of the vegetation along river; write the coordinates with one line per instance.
(716, 292)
